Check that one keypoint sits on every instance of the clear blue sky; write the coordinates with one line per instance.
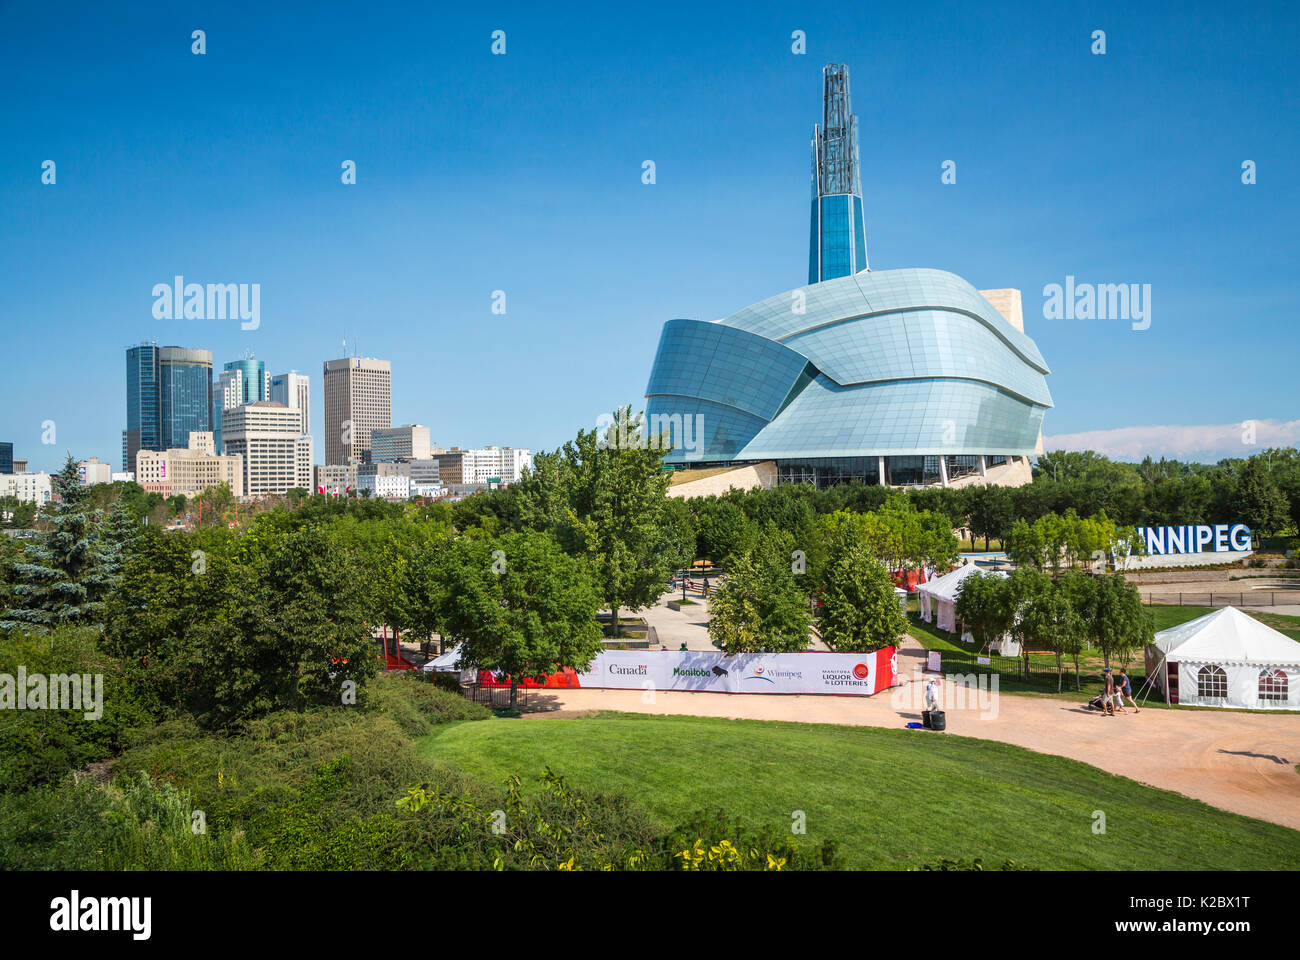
(523, 173)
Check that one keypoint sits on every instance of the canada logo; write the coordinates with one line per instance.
(861, 671)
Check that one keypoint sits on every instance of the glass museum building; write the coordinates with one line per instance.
(897, 377)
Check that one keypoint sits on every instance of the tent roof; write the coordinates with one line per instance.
(949, 585)
(446, 661)
(1227, 635)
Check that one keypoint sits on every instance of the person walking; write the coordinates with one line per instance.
(706, 586)
(1126, 690)
(1108, 695)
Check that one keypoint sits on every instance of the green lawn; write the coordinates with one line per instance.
(890, 798)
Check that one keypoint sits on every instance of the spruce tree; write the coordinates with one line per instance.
(60, 577)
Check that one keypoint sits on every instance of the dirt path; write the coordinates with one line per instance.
(1243, 762)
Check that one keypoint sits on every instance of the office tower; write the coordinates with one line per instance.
(6, 458)
(294, 391)
(168, 395)
(838, 243)
(241, 381)
(143, 410)
(410, 442)
(185, 392)
(276, 455)
(358, 398)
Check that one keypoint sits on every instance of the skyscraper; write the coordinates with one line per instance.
(6, 458)
(241, 381)
(185, 392)
(294, 391)
(358, 398)
(837, 241)
(143, 409)
(168, 394)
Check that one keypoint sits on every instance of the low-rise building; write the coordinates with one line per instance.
(27, 487)
(410, 442)
(483, 465)
(190, 470)
(92, 471)
(336, 478)
(385, 486)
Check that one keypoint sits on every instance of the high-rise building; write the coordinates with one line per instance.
(6, 458)
(294, 391)
(240, 382)
(168, 395)
(185, 389)
(277, 456)
(838, 244)
(358, 398)
(410, 442)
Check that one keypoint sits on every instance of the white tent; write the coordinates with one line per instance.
(1226, 659)
(939, 602)
(446, 663)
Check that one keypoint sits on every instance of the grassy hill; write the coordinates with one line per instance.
(891, 798)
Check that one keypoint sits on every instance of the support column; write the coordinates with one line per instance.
(884, 480)
(984, 466)
(943, 469)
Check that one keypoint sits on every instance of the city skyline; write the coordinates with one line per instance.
(1119, 168)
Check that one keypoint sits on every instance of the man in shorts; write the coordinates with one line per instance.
(1126, 690)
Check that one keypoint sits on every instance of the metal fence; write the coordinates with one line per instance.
(1256, 598)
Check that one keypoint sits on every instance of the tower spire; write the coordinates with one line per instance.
(837, 241)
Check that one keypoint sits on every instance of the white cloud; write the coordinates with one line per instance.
(1208, 444)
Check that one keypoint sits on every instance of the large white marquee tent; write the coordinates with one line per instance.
(1226, 659)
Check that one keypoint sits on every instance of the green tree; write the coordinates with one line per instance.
(984, 606)
(604, 497)
(1261, 503)
(1049, 621)
(759, 605)
(860, 610)
(1117, 619)
(64, 574)
(521, 606)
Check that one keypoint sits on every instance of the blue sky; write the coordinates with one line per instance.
(522, 173)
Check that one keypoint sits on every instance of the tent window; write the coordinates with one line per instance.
(1272, 685)
(1212, 682)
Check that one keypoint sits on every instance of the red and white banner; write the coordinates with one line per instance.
(860, 674)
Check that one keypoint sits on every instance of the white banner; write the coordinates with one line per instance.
(707, 671)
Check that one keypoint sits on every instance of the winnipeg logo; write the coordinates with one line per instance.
(72, 914)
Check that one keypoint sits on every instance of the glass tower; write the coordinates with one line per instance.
(242, 381)
(143, 411)
(837, 244)
(168, 394)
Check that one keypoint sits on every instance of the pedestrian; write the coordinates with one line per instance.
(932, 695)
(683, 646)
(1126, 689)
(706, 586)
(1108, 695)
